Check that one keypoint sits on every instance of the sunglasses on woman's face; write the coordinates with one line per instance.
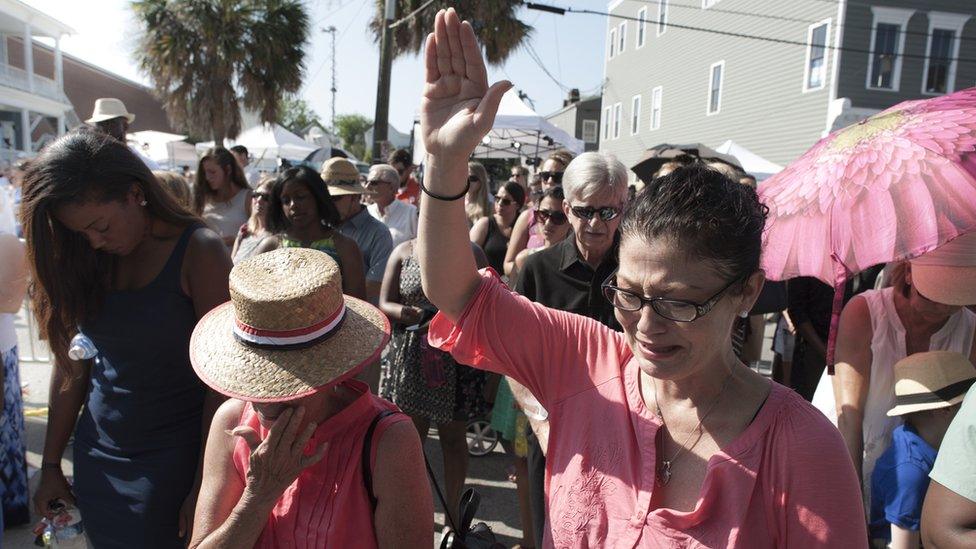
(606, 213)
(504, 201)
(557, 217)
(260, 196)
(555, 176)
(473, 179)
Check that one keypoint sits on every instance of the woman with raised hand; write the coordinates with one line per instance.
(659, 435)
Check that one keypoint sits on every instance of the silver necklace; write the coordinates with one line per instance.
(663, 476)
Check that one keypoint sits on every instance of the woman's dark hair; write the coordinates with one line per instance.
(517, 192)
(225, 159)
(70, 278)
(710, 216)
(277, 222)
(554, 193)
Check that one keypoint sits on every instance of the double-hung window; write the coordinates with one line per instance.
(622, 35)
(616, 120)
(607, 122)
(641, 27)
(612, 49)
(662, 16)
(716, 75)
(887, 47)
(818, 36)
(941, 52)
(656, 96)
(590, 133)
(635, 114)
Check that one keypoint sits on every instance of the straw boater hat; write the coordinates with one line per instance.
(342, 177)
(108, 108)
(947, 274)
(932, 380)
(287, 330)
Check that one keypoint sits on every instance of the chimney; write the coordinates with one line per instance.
(574, 97)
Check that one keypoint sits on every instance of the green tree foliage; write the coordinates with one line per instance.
(296, 115)
(495, 23)
(352, 128)
(209, 58)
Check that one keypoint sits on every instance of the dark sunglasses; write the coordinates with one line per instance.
(557, 217)
(502, 201)
(373, 182)
(260, 196)
(474, 179)
(606, 213)
(555, 176)
(678, 310)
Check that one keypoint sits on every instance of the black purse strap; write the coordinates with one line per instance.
(367, 453)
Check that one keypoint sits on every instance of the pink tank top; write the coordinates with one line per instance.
(536, 240)
(327, 506)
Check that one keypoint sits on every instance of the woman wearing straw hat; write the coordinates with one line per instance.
(303, 455)
(923, 310)
(115, 257)
(659, 436)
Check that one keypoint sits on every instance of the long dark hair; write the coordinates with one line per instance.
(70, 278)
(225, 159)
(277, 222)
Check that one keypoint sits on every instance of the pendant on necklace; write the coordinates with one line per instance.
(664, 476)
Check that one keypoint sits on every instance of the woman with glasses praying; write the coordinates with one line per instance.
(659, 436)
(255, 231)
(527, 231)
(492, 232)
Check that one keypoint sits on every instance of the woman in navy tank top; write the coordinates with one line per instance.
(114, 257)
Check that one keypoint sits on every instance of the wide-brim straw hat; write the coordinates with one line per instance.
(288, 331)
(947, 274)
(108, 108)
(342, 177)
(931, 380)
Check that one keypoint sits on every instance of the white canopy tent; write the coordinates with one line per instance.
(752, 163)
(519, 131)
(166, 149)
(266, 144)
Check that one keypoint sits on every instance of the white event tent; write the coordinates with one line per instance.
(266, 144)
(519, 131)
(752, 163)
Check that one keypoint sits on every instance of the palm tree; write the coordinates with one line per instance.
(207, 58)
(495, 24)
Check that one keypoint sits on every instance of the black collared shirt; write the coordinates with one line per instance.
(559, 278)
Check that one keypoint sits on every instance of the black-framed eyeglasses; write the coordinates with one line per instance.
(555, 176)
(606, 213)
(557, 217)
(374, 182)
(677, 310)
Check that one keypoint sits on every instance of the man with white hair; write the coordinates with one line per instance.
(382, 184)
(569, 276)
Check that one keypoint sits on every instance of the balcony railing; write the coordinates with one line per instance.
(17, 78)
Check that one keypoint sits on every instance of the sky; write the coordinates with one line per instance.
(571, 46)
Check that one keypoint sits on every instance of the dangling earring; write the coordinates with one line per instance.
(143, 203)
(744, 314)
(324, 224)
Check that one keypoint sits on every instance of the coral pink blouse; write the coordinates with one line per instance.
(786, 481)
(327, 506)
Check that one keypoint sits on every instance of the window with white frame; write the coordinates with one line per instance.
(607, 122)
(941, 51)
(641, 27)
(708, 3)
(613, 43)
(635, 113)
(662, 16)
(887, 47)
(716, 75)
(590, 131)
(656, 96)
(622, 37)
(818, 36)
(616, 120)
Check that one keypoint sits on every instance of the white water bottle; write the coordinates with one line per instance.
(81, 348)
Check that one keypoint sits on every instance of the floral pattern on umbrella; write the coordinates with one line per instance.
(891, 187)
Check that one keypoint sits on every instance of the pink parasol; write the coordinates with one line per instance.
(889, 188)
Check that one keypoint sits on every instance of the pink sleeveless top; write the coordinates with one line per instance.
(327, 506)
(536, 240)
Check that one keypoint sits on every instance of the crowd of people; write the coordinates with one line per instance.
(271, 351)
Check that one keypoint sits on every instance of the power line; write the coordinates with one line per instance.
(411, 15)
(550, 8)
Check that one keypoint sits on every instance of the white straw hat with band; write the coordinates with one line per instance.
(108, 108)
(341, 176)
(931, 380)
(287, 331)
(947, 274)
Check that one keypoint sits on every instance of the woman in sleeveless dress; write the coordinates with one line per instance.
(424, 382)
(301, 215)
(221, 195)
(114, 257)
(255, 231)
(302, 456)
(877, 329)
(492, 232)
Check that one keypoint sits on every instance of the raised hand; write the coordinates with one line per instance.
(277, 460)
(458, 107)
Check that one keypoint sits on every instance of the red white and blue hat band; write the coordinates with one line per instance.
(283, 340)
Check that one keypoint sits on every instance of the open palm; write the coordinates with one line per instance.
(458, 107)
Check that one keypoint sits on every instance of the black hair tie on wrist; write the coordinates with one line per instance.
(427, 191)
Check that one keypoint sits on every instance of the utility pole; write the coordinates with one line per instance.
(332, 30)
(381, 121)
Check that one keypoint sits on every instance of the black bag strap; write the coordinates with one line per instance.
(367, 453)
